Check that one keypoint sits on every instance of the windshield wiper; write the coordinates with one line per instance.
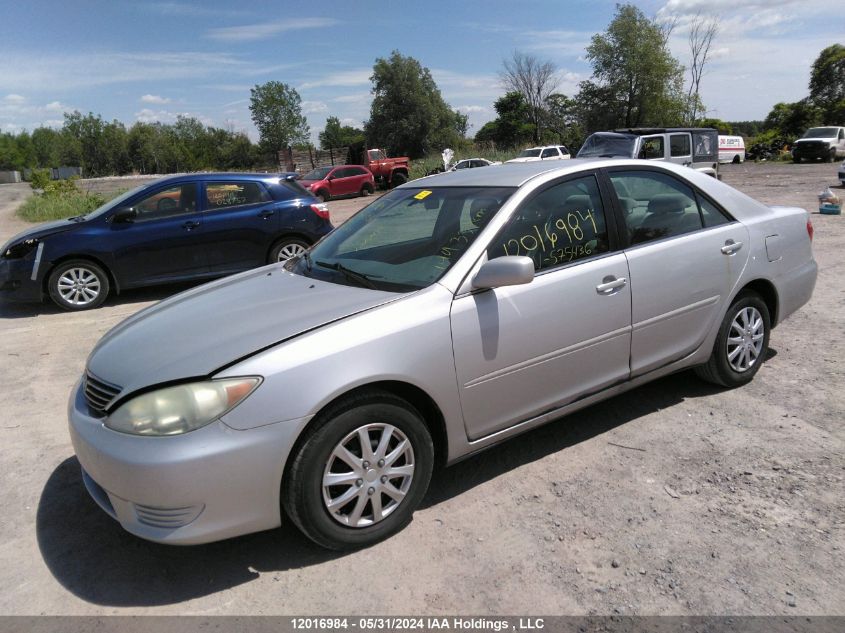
(351, 275)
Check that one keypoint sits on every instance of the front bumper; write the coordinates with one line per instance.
(206, 485)
(16, 283)
(811, 153)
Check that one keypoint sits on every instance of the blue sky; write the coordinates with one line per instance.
(147, 61)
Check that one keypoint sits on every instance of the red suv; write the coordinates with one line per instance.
(343, 180)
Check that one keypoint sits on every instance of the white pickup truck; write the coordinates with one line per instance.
(826, 143)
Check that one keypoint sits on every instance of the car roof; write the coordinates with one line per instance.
(275, 177)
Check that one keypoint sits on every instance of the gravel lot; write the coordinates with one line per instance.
(676, 498)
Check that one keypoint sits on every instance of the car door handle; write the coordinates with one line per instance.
(266, 213)
(190, 225)
(609, 284)
(731, 247)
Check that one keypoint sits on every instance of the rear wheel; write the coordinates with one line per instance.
(360, 471)
(287, 248)
(78, 285)
(741, 344)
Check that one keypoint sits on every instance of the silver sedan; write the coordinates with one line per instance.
(451, 314)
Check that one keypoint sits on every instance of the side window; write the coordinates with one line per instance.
(550, 152)
(564, 223)
(652, 147)
(221, 195)
(165, 203)
(563, 150)
(656, 205)
(711, 215)
(679, 144)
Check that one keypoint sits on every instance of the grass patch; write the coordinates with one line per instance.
(42, 208)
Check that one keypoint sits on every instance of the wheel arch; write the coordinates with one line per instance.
(113, 282)
(767, 291)
(413, 395)
(283, 236)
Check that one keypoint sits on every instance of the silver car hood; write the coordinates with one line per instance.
(197, 332)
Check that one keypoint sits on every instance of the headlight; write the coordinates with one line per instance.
(21, 249)
(179, 409)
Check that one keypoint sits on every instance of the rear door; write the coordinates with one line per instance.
(680, 148)
(240, 220)
(685, 255)
(521, 351)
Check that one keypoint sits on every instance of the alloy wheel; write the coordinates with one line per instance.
(745, 339)
(79, 286)
(367, 475)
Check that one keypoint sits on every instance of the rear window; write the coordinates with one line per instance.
(294, 188)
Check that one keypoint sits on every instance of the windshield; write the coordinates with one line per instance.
(820, 132)
(115, 202)
(405, 240)
(530, 153)
(317, 174)
(607, 146)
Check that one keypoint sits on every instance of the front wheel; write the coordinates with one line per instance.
(741, 344)
(366, 190)
(831, 156)
(287, 248)
(398, 179)
(78, 285)
(360, 472)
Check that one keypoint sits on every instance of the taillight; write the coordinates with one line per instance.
(321, 209)
(810, 228)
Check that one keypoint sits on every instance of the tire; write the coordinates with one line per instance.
(324, 196)
(831, 156)
(723, 369)
(398, 179)
(287, 248)
(366, 190)
(736, 160)
(78, 284)
(346, 516)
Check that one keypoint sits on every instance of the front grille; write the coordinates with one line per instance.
(167, 517)
(98, 393)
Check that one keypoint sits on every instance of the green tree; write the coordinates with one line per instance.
(47, 143)
(277, 114)
(636, 81)
(827, 84)
(408, 114)
(337, 135)
(512, 127)
(560, 115)
(791, 120)
(723, 127)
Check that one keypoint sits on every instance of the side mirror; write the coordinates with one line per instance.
(124, 215)
(510, 270)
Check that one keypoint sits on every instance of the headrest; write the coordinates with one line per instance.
(668, 203)
(581, 202)
(481, 210)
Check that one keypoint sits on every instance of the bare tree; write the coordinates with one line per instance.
(534, 79)
(702, 31)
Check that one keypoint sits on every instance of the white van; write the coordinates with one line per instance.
(731, 149)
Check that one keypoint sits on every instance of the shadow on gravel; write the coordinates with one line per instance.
(95, 559)
(12, 310)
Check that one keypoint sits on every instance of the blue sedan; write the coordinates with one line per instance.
(179, 228)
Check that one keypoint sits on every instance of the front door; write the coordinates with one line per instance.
(521, 351)
(163, 240)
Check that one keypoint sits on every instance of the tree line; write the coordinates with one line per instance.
(635, 82)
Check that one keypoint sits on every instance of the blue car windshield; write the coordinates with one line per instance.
(115, 202)
(405, 240)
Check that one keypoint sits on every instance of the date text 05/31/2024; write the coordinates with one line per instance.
(416, 624)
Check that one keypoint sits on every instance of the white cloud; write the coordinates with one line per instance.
(472, 109)
(314, 107)
(147, 115)
(56, 106)
(155, 99)
(358, 77)
(13, 98)
(358, 97)
(691, 7)
(265, 30)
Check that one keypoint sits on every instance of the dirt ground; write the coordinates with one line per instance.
(675, 498)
